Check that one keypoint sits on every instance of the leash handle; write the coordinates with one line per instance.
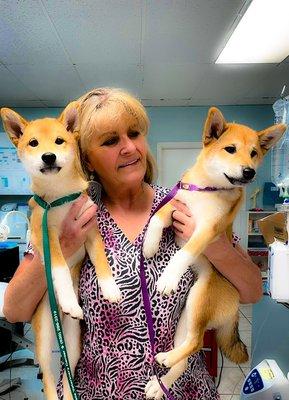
(52, 300)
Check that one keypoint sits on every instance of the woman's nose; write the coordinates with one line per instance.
(128, 146)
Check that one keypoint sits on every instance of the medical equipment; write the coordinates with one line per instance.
(280, 153)
(5, 228)
(278, 283)
(265, 382)
(278, 271)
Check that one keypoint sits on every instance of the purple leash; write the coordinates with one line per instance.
(144, 289)
(146, 297)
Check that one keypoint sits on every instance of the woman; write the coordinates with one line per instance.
(116, 358)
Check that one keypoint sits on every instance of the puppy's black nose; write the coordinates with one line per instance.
(248, 173)
(49, 158)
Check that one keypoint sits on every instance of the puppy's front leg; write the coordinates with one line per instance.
(62, 281)
(96, 250)
(153, 389)
(168, 282)
(161, 220)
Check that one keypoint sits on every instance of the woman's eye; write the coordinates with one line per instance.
(231, 149)
(110, 141)
(134, 134)
(59, 140)
(254, 153)
(33, 142)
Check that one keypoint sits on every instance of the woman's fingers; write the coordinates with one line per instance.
(180, 217)
(183, 222)
(179, 206)
(76, 207)
(86, 216)
(92, 223)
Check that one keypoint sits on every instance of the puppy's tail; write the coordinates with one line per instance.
(230, 343)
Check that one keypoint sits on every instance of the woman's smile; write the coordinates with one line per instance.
(129, 163)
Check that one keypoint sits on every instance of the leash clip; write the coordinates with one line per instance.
(185, 186)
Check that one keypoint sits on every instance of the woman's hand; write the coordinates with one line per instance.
(183, 222)
(76, 225)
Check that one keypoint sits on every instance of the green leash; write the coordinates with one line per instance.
(47, 262)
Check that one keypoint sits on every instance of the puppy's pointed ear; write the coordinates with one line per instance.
(14, 124)
(270, 136)
(69, 117)
(215, 125)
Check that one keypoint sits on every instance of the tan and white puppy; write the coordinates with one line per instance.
(228, 161)
(48, 148)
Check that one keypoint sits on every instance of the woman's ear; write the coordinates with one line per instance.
(69, 117)
(214, 126)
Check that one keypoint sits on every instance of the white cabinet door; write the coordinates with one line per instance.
(173, 158)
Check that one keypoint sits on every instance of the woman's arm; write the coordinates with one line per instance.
(235, 265)
(232, 262)
(28, 285)
(25, 289)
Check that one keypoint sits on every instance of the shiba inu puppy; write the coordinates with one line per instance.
(48, 148)
(228, 161)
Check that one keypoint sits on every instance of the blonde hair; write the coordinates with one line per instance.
(113, 103)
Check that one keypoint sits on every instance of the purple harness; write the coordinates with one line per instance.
(146, 299)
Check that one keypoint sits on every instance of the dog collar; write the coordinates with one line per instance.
(194, 188)
(58, 202)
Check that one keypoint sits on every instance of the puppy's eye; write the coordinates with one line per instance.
(33, 142)
(254, 153)
(59, 140)
(231, 149)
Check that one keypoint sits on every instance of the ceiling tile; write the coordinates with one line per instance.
(225, 82)
(98, 31)
(51, 81)
(27, 34)
(12, 90)
(187, 31)
(170, 81)
(126, 76)
(270, 86)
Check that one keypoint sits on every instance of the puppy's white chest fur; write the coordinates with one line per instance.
(208, 206)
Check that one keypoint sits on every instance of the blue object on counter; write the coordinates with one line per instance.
(8, 245)
(271, 195)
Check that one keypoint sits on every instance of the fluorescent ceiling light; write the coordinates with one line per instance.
(262, 35)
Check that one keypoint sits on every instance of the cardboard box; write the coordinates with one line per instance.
(274, 227)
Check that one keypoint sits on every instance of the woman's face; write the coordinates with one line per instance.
(117, 153)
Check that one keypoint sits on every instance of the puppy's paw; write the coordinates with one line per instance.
(110, 290)
(153, 237)
(153, 389)
(167, 283)
(72, 309)
(150, 247)
(164, 359)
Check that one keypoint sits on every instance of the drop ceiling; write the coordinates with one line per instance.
(163, 51)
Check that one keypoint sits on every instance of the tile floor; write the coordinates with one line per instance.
(233, 375)
(230, 385)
